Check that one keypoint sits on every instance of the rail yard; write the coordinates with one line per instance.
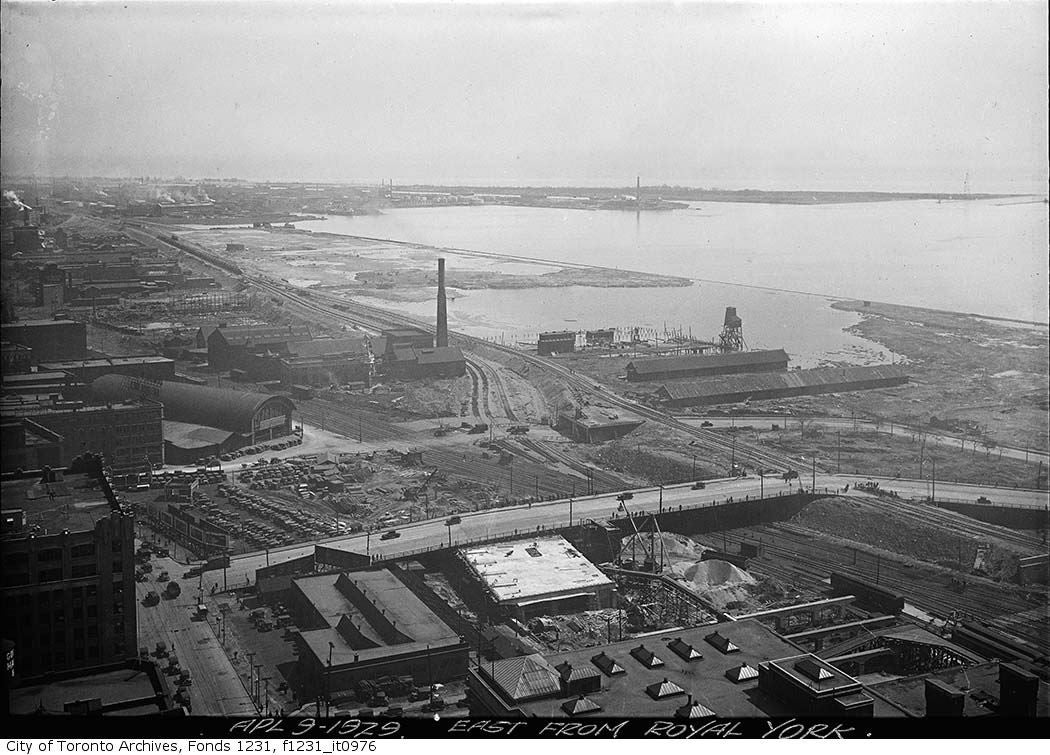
(315, 444)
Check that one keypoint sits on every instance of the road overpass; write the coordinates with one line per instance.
(523, 520)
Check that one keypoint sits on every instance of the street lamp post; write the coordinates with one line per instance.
(661, 499)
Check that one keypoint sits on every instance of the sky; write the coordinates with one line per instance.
(900, 96)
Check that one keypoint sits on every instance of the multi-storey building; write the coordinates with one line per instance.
(68, 571)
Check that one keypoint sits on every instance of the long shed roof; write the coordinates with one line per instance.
(702, 362)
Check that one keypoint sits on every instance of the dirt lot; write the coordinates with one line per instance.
(965, 368)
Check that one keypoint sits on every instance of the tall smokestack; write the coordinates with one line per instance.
(442, 329)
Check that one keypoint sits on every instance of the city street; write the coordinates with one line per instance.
(215, 689)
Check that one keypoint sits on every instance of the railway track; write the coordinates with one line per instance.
(796, 555)
(375, 320)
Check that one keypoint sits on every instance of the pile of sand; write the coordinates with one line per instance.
(720, 582)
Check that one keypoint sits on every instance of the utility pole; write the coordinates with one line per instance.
(661, 499)
(694, 466)
(838, 467)
(933, 494)
(251, 678)
(813, 484)
(360, 434)
(570, 512)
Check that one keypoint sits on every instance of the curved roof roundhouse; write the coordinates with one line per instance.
(195, 404)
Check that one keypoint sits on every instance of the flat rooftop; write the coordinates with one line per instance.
(523, 570)
(188, 435)
(73, 364)
(380, 593)
(111, 687)
(624, 694)
(73, 501)
(980, 683)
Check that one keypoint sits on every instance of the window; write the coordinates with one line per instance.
(82, 551)
(49, 554)
(51, 575)
(83, 570)
(92, 612)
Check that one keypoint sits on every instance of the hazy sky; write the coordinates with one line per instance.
(899, 95)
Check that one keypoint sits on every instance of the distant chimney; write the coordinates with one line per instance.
(1018, 690)
(943, 700)
(442, 324)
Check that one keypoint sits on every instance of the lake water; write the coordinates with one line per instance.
(780, 265)
(987, 257)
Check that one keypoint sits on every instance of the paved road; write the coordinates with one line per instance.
(950, 441)
(525, 520)
(216, 690)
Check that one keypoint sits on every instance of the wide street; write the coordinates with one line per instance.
(215, 689)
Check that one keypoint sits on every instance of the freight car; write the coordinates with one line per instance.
(867, 594)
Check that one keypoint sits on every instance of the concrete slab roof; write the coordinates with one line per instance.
(526, 570)
(73, 501)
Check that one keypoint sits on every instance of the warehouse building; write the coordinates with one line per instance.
(49, 339)
(226, 419)
(327, 361)
(586, 429)
(723, 670)
(731, 390)
(69, 582)
(229, 347)
(148, 367)
(527, 578)
(368, 624)
(557, 342)
(675, 368)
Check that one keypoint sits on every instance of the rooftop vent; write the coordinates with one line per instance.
(694, 709)
(580, 706)
(646, 657)
(741, 673)
(533, 551)
(684, 650)
(666, 688)
(608, 666)
(813, 670)
(723, 644)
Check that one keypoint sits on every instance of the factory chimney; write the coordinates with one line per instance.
(442, 327)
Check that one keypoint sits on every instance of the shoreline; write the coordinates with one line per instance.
(835, 299)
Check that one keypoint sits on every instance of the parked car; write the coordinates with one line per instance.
(699, 486)
(705, 423)
(151, 599)
(163, 577)
(453, 520)
(390, 535)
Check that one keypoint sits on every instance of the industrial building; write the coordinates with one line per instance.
(586, 429)
(14, 357)
(527, 578)
(127, 432)
(201, 420)
(69, 581)
(194, 527)
(728, 670)
(730, 390)
(601, 337)
(49, 339)
(556, 342)
(675, 368)
(327, 361)
(147, 367)
(406, 338)
(368, 624)
(228, 347)
(415, 364)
